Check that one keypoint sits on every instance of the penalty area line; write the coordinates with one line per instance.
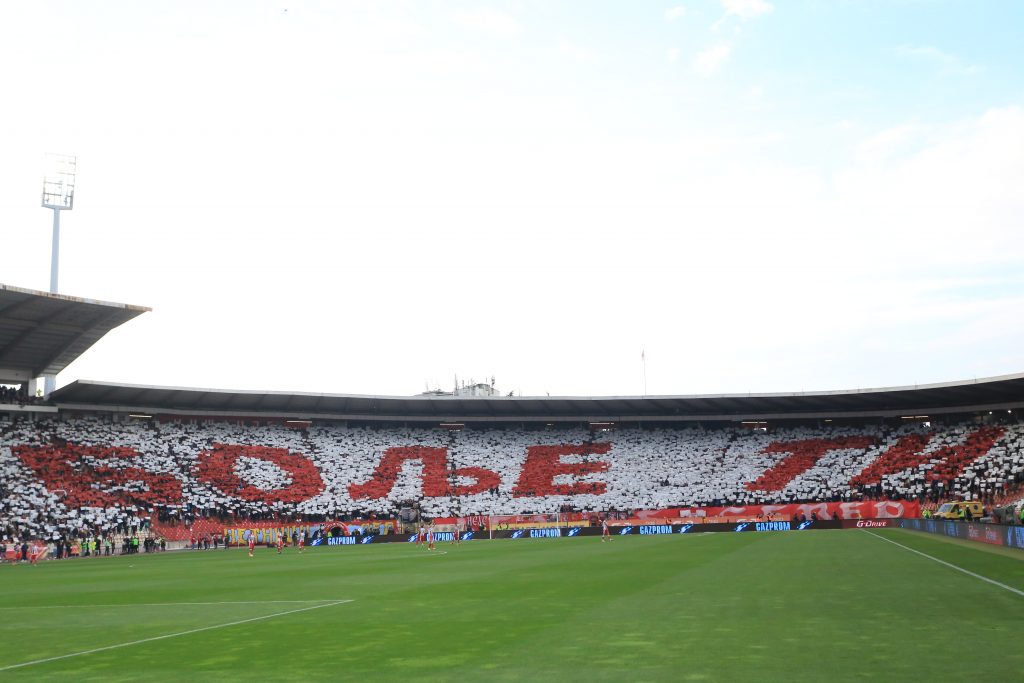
(171, 635)
(950, 565)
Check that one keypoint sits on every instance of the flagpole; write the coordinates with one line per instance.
(643, 359)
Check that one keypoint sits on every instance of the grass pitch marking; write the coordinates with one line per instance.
(172, 635)
(950, 565)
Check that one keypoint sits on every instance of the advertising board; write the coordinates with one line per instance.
(993, 534)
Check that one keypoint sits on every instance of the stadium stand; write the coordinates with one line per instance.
(65, 477)
(110, 463)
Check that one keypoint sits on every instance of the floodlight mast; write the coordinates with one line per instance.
(58, 195)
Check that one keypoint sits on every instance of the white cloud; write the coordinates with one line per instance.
(888, 144)
(950, 63)
(489, 20)
(575, 52)
(747, 9)
(926, 52)
(939, 194)
(673, 55)
(708, 62)
(674, 13)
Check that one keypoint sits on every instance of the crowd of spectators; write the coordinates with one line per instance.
(18, 395)
(93, 478)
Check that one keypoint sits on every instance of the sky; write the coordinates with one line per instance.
(582, 198)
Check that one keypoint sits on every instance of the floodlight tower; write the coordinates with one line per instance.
(59, 195)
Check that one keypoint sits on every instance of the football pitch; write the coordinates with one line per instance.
(798, 606)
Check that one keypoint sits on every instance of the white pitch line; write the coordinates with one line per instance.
(950, 565)
(170, 635)
(173, 604)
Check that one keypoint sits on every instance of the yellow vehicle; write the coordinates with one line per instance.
(957, 510)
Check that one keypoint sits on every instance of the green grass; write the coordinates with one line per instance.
(809, 606)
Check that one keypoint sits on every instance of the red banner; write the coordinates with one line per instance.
(869, 510)
(882, 509)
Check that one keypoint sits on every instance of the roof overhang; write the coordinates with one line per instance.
(994, 393)
(42, 333)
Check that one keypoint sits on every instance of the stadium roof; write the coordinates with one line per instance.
(41, 333)
(1006, 392)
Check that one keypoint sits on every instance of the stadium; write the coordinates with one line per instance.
(740, 278)
(481, 536)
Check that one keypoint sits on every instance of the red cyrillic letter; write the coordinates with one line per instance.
(87, 481)
(544, 463)
(217, 467)
(909, 452)
(435, 474)
(485, 479)
(803, 456)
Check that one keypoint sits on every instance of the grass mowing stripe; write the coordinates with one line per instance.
(774, 607)
(174, 604)
(949, 564)
(170, 635)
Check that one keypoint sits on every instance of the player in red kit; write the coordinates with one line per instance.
(302, 541)
(252, 543)
(36, 551)
(605, 533)
(280, 543)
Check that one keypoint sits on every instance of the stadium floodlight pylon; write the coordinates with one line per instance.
(58, 195)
